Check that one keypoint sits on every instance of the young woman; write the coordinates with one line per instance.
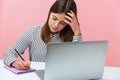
(61, 26)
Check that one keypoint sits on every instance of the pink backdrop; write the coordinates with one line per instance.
(99, 20)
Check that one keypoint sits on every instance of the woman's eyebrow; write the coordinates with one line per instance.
(54, 16)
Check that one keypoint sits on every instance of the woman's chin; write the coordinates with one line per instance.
(54, 32)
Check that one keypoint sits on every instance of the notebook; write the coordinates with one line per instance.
(75, 60)
(16, 71)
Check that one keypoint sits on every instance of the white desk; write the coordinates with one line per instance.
(7, 75)
(110, 73)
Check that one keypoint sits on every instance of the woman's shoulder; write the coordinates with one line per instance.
(38, 27)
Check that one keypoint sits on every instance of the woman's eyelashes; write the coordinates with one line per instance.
(54, 18)
(61, 22)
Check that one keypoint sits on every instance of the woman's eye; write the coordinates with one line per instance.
(63, 23)
(54, 18)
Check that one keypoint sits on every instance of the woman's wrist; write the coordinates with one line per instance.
(77, 33)
(12, 64)
(77, 38)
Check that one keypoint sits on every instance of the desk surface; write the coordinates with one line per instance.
(110, 73)
(7, 75)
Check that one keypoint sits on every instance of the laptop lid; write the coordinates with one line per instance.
(75, 60)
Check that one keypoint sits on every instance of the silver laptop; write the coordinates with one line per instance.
(75, 60)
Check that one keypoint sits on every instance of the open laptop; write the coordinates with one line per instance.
(75, 60)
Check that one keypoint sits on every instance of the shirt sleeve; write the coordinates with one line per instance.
(21, 45)
(77, 38)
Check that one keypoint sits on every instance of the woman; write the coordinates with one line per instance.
(61, 26)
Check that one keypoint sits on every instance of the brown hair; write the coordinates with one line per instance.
(60, 6)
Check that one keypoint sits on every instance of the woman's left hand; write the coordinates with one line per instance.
(73, 22)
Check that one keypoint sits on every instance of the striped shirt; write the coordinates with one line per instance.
(37, 48)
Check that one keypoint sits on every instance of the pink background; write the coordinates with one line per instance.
(99, 20)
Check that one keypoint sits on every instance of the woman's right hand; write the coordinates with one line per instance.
(21, 65)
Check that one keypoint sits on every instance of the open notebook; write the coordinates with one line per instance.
(16, 71)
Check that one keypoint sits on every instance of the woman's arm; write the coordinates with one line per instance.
(21, 45)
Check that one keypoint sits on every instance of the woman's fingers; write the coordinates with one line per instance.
(71, 19)
(25, 64)
(21, 64)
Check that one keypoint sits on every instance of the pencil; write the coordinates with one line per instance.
(19, 54)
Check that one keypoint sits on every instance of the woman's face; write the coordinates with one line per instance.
(56, 22)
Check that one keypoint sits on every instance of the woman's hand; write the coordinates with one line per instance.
(73, 22)
(22, 65)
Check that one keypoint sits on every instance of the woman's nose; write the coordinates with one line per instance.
(56, 24)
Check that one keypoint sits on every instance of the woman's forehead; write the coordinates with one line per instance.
(58, 15)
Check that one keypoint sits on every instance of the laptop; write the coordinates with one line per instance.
(75, 61)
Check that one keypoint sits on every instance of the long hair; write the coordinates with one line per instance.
(60, 6)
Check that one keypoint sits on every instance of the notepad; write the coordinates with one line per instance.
(16, 71)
